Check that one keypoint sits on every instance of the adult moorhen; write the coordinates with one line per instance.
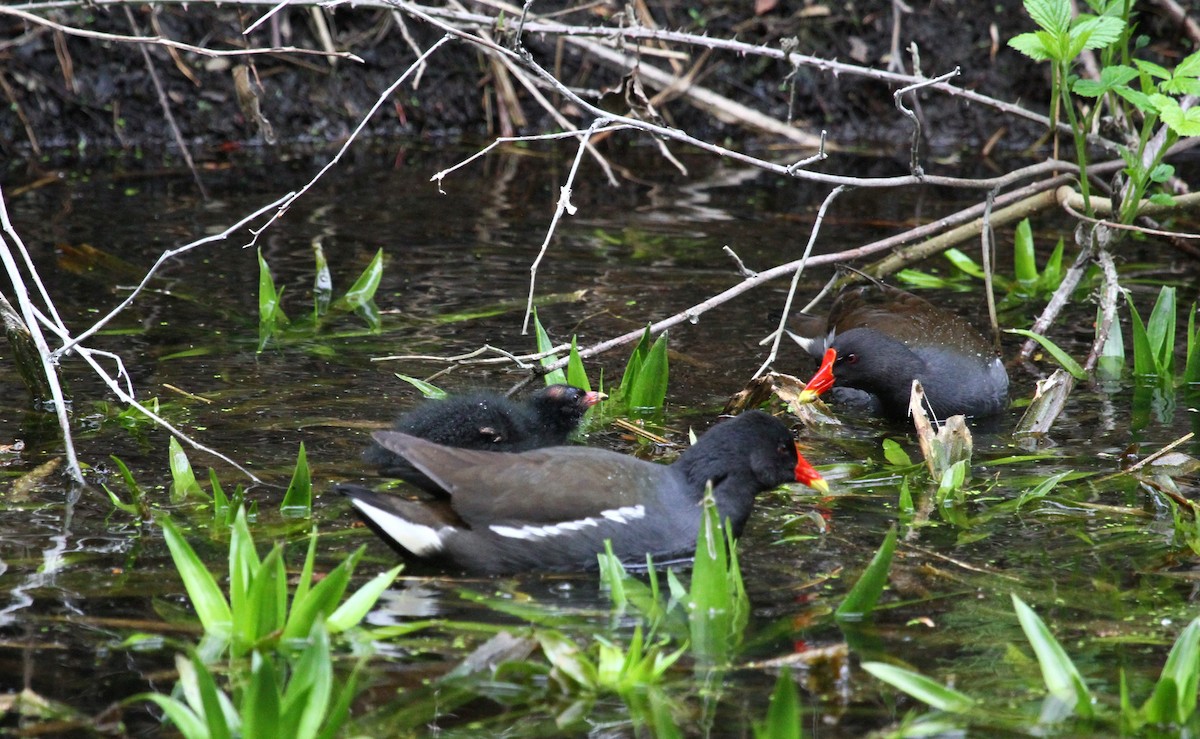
(878, 338)
(489, 421)
(553, 508)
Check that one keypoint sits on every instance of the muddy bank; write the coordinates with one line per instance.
(69, 96)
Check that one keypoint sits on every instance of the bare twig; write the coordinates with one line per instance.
(166, 109)
(914, 164)
(155, 40)
(1108, 307)
(787, 304)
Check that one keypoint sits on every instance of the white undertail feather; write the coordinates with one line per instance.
(422, 541)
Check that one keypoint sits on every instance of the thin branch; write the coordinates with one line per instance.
(787, 304)
(158, 41)
(563, 206)
(1108, 308)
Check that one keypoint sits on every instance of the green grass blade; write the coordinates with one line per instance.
(261, 707)
(712, 599)
(208, 600)
(219, 498)
(861, 599)
(576, 375)
(322, 282)
(1064, 359)
(557, 376)
(306, 697)
(183, 479)
(213, 702)
(612, 576)
(783, 713)
(964, 263)
(427, 389)
(177, 712)
(633, 367)
(360, 298)
(271, 317)
(920, 687)
(357, 606)
(1161, 331)
(297, 502)
(1191, 367)
(1059, 674)
(306, 572)
(1052, 273)
(322, 600)
(267, 598)
(649, 390)
(1025, 259)
(1174, 699)
(1143, 354)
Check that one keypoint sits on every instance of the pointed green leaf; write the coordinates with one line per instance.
(323, 599)
(1024, 259)
(1064, 359)
(895, 454)
(783, 713)
(208, 600)
(297, 502)
(1061, 678)
(428, 390)
(1191, 367)
(649, 390)
(357, 606)
(556, 377)
(183, 480)
(576, 375)
(921, 687)
(322, 282)
(861, 599)
(1161, 331)
(1174, 699)
(261, 701)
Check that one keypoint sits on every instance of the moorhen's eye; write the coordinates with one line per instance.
(851, 358)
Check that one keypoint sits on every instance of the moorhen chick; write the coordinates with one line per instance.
(552, 508)
(878, 338)
(489, 421)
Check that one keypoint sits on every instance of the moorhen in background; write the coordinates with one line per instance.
(878, 338)
(553, 508)
(489, 421)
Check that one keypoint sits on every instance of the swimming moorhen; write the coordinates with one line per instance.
(489, 421)
(878, 338)
(553, 508)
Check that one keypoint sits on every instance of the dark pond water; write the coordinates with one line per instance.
(1101, 559)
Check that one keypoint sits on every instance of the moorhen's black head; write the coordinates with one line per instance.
(560, 408)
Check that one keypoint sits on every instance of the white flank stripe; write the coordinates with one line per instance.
(624, 515)
(422, 541)
(530, 533)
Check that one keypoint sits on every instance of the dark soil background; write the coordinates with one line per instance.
(67, 97)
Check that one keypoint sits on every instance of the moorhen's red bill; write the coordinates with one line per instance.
(553, 508)
(489, 421)
(878, 339)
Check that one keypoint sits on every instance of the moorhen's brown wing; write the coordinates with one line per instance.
(539, 486)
